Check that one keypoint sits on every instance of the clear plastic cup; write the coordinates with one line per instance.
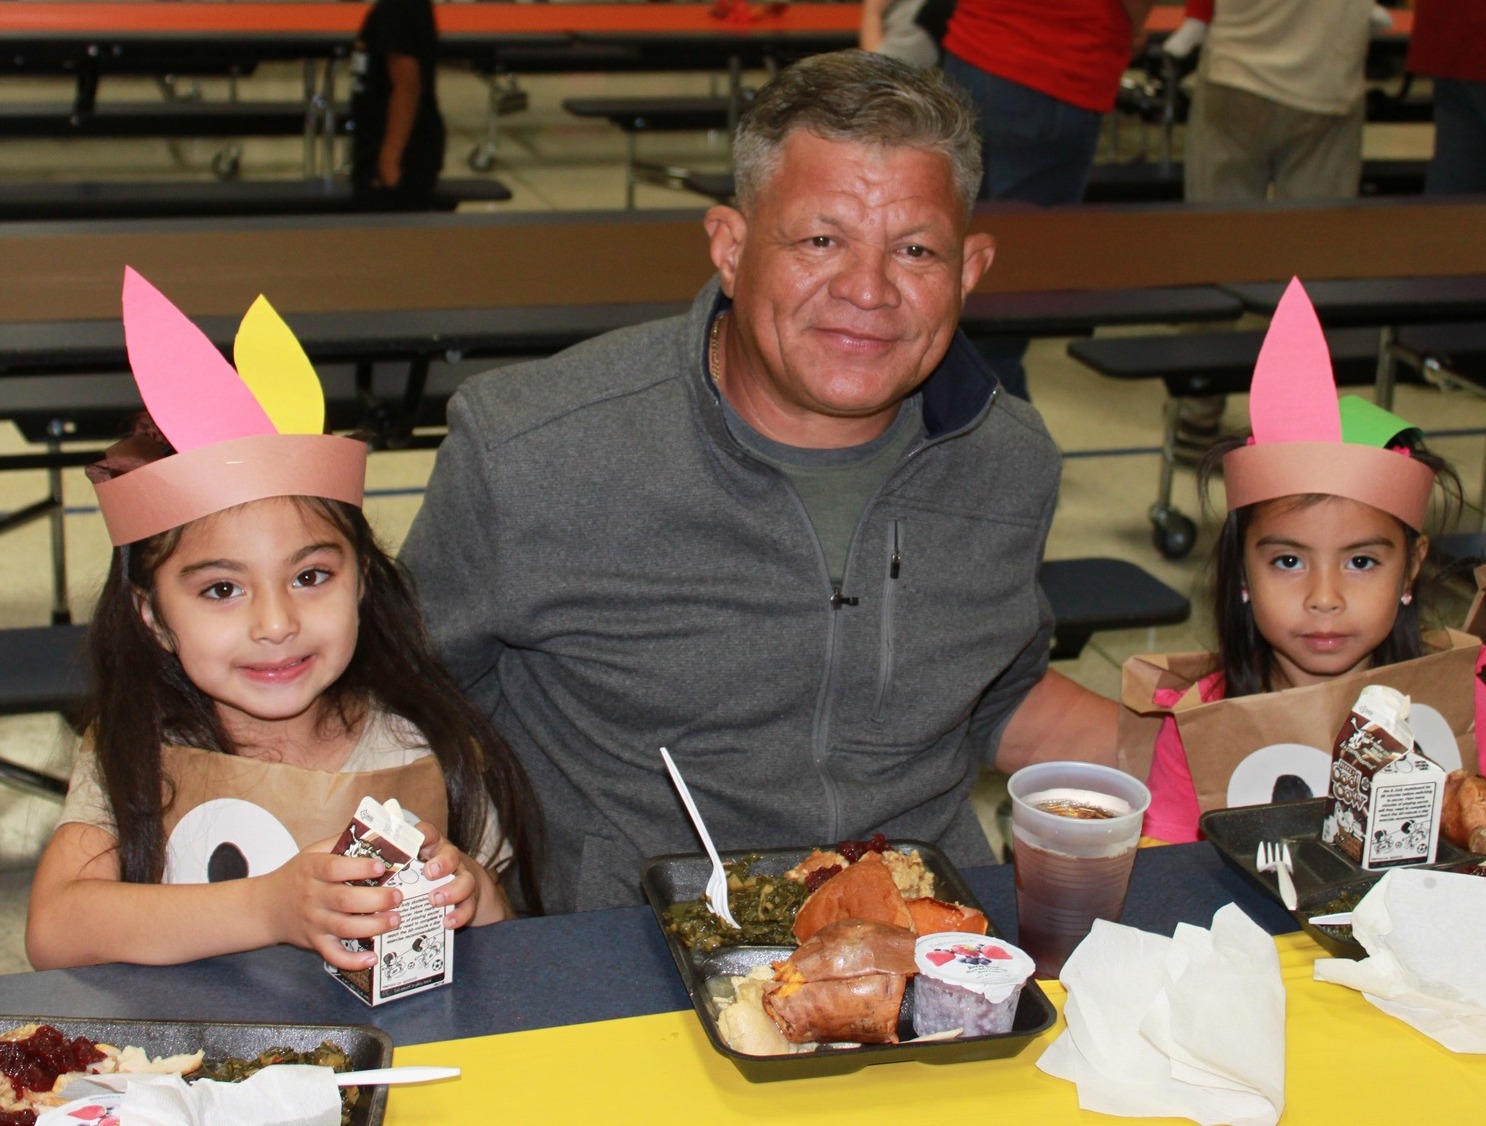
(1071, 867)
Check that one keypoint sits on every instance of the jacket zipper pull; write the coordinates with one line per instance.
(839, 600)
(896, 562)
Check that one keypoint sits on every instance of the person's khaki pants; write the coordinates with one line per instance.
(1240, 144)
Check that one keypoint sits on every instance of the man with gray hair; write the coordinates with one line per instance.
(792, 535)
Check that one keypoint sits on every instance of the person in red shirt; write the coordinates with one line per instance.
(1043, 74)
(1449, 46)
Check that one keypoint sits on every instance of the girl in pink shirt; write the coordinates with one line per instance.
(1318, 560)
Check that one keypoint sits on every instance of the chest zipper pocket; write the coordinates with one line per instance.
(885, 627)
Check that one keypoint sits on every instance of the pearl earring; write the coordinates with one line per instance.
(1407, 597)
(1243, 594)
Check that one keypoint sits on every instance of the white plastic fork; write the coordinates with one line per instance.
(717, 883)
(1274, 856)
(389, 1076)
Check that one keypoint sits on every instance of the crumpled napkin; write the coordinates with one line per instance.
(1191, 1026)
(282, 1095)
(1423, 932)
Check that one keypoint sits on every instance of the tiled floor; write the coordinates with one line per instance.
(552, 162)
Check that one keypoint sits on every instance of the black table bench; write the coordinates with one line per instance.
(98, 397)
(1073, 312)
(1388, 304)
(682, 114)
(1202, 364)
(176, 199)
(1092, 594)
(42, 669)
(171, 119)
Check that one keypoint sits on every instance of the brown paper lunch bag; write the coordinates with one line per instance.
(1277, 745)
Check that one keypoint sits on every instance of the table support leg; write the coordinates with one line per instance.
(1387, 367)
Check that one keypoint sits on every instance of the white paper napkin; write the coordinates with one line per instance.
(1424, 934)
(1191, 1026)
(282, 1095)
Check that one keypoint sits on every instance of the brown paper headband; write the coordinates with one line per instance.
(1389, 480)
(1304, 442)
(241, 434)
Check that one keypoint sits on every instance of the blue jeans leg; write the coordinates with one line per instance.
(1034, 148)
(1459, 163)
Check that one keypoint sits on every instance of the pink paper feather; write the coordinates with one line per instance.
(192, 393)
(1293, 395)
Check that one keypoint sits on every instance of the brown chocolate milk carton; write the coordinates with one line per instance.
(419, 954)
(1384, 805)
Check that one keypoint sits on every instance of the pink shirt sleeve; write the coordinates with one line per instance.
(1172, 816)
(1174, 811)
(1480, 714)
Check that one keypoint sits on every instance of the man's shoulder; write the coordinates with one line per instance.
(1022, 419)
(596, 375)
(1014, 431)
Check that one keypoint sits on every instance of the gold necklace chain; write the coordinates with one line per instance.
(714, 348)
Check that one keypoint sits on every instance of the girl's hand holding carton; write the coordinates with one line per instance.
(260, 666)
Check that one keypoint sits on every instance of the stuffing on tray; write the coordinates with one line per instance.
(907, 868)
(742, 1022)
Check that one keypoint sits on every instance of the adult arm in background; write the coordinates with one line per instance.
(1138, 11)
(1059, 719)
(402, 110)
(870, 32)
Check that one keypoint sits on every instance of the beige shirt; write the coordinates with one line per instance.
(1306, 54)
(236, 816)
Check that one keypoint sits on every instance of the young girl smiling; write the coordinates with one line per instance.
(259, 666)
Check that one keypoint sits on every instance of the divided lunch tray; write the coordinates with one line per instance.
(676, 879)
(367, 1047)
(1323, 874)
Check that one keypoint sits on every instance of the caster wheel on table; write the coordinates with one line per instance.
(1173, 534)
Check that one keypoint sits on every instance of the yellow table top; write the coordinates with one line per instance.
(1346, 1062)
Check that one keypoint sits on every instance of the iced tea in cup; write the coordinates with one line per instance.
(1074, 828)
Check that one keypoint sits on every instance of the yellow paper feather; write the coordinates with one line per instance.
(272, 363)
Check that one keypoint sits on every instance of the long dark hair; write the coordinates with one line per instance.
(1246, 658)
(142, 698)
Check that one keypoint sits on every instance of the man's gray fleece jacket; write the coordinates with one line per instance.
(609, 572)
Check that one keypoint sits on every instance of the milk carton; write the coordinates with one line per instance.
(419, 954)
(1384, 805)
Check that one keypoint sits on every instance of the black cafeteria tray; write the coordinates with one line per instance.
(676, 879)
(366, 1047)
(1322, 873)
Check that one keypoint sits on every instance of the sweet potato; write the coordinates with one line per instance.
(853, 947)
(845, 983)
(1463, 816)
(864, 891)
(860, 1009)
(934, 916)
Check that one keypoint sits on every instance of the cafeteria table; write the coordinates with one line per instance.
(90, 40)
(557, 1018)
(132, 36)
(1387, 303)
